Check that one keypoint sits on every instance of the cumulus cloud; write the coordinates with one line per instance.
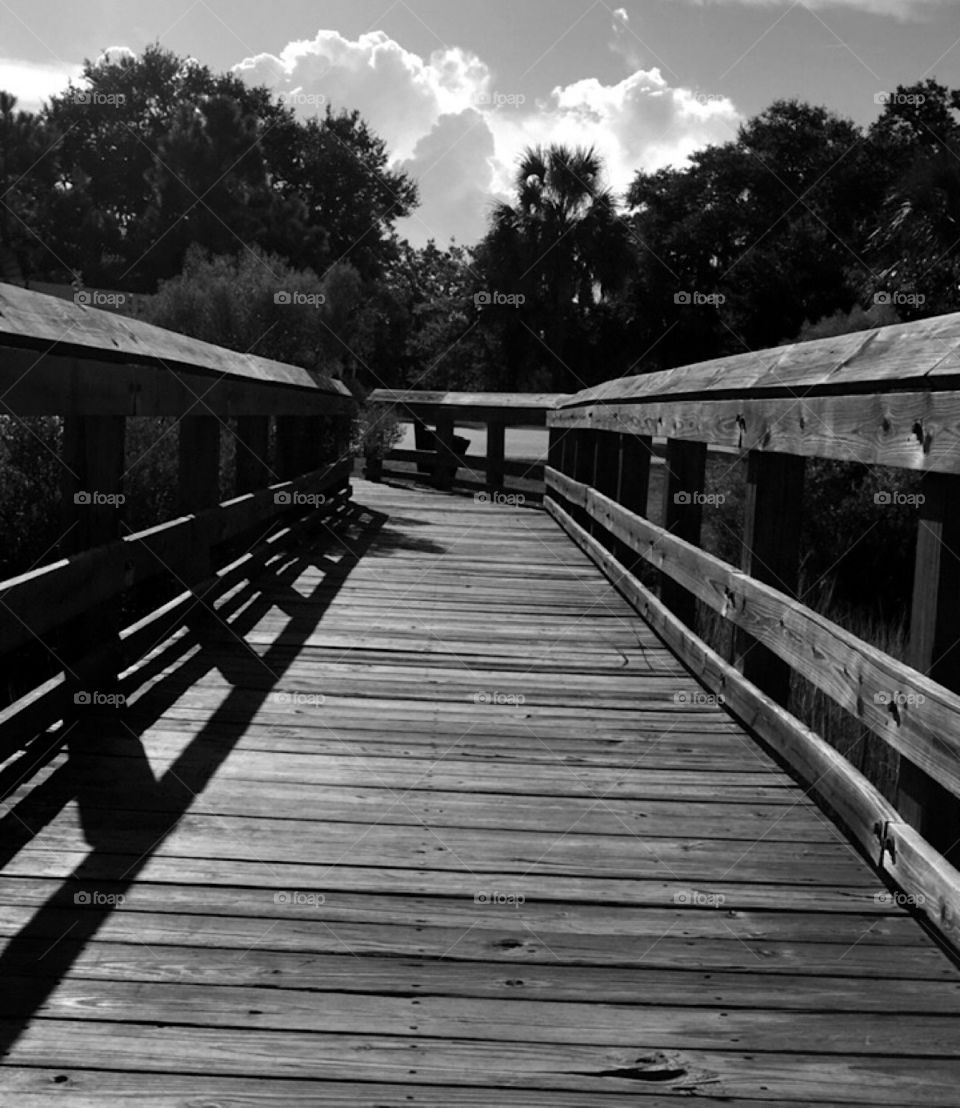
(640, 123)
(448, 126)
(453, 165)
(399, 93)
(114, 55)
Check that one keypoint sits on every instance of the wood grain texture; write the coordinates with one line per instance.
(430, 816)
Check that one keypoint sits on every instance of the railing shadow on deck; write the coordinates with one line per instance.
(119, 855)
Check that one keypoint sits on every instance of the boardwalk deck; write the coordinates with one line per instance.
(436, 819)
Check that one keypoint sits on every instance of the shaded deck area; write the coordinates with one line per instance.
(432, 817)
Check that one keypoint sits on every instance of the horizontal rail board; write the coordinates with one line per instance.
(45, 598)
(911, 430)
(922, 354)
(510, 408)
(912, 863)
(915, 715)
(35, 383)
(50, 325)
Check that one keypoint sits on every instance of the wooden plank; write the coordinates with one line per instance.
(918, 869)
(875, 429)
(913, 714)
(43, 598)
(49, 324)
(898, 1081)
(917, 353)
(386, 976)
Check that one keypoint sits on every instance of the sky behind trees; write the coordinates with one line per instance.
(458, 89)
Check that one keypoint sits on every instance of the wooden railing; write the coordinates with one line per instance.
(889, 397)
(435, 417)
(94, 369)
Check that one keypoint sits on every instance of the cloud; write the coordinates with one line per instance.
(640, 123)
(454, 166)
(113, 55)
(401, 95)
(448, 126)
(34, 82)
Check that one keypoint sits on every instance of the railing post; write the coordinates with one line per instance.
(252, 453)
(606, 473)
(632, 485)
(93, 458)
(633, 472)
(293, 446)
(935, 650)
(686, 467)
(445, 465)
(373, 455)
(199, 479)
(585, 471)
(495, 452)
(771, 554)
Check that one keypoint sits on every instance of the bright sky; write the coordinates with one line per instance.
(458, 88)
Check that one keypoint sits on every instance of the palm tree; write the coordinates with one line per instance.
(562, 245)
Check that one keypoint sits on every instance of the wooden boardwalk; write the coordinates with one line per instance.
(436, 819)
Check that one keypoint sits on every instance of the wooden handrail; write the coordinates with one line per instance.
(889, 396)
(94, 369)
(498, 410)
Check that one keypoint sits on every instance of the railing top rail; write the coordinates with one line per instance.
(923, 355)
(34, 321)
(414, 398)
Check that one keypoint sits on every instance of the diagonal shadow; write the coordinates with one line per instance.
(45, 947)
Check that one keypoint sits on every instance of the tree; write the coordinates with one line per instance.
(766, 230)
(157, 152)
(563, 248)
(915, 246)
(28, 167)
